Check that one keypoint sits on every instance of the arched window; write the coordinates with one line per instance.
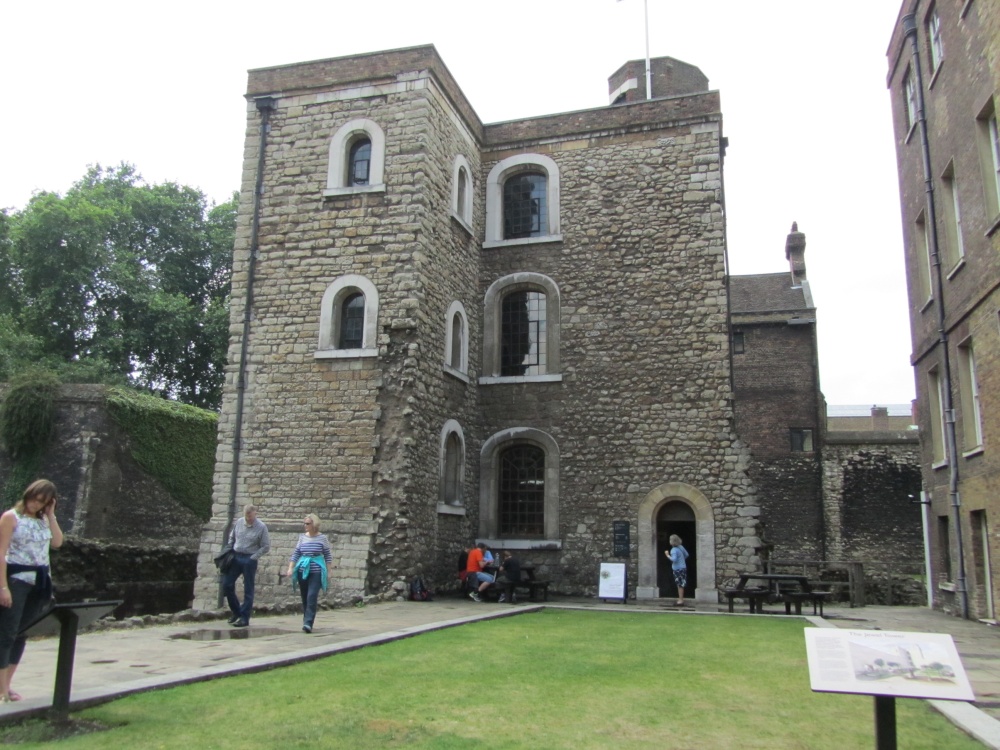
(521, 329)
(523, 334)
(521, 490)
(461, 192)
(357, 159)
(519, 494)
(451, 497)
(456, 342)
(359, 162)
(524, 211)
(352, 322)
(522, 201)
(348, 319)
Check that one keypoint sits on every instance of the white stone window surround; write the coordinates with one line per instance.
(329, 318)
(629, 85)
(492, 321)
(340, 146)
(458, 369)
(494, 198)
(489, 478)
(461, 206)
(451, 427)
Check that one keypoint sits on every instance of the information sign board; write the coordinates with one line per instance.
(886, 662)
(620, 538)
(611, 584)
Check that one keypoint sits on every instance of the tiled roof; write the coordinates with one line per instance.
(766, 292)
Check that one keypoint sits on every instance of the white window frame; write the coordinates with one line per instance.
(910, 101)
(922, 253)
(953, 218)
(489, 501)
(989, 157)
(451, 427)
(968, 388)
(461, 205)
(492, 321)
(505, 169)
(340, 147)
(329, 318)
(935, 406)
(459, 369)
(934, 43)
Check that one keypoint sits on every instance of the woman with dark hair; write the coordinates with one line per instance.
(308, 568)
(27, 532)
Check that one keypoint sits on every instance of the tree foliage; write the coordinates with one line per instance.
(117, 281)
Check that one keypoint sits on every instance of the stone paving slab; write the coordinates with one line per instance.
(111, 664)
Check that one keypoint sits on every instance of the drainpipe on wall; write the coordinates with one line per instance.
(951, 443)
(265, 105)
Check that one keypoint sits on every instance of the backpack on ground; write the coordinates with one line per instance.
(419, 591)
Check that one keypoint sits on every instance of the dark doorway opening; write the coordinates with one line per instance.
(677, 518)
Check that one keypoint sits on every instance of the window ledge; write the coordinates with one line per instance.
(958, 267)
(934, 75)
(462, 223)
(353, 189)
(973, 452)
(943, 586)
(910, 132)
(926, 305)
(444, 509)
(344, 353)
(458, 374)
(942, 464)
(498, 380)
(993, 227)
(965, 8)
(523, 241)
(531, 544)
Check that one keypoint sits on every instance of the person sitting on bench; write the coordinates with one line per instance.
(475, 574)
(510, 572)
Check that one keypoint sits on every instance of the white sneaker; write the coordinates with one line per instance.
(502, 599)
(474, 595)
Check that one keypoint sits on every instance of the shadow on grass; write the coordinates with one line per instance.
(33, 731)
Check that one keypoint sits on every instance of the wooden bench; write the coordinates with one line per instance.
(508, 588)
(755, 596)
(797, 597)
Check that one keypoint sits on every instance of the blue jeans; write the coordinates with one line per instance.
(25, 606)
(309, 589)
(243, 565)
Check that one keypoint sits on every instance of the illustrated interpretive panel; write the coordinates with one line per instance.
(886, 662)
(612, 581)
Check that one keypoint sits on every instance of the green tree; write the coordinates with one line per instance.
(120, 280)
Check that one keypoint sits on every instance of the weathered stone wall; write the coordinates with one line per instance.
(871, 485)
(644, 396)
(103, 494)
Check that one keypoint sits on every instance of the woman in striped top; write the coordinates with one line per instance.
(308, 568)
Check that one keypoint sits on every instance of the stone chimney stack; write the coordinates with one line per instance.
(880, 418)
(795, 251)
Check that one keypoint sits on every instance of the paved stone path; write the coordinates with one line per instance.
(114, 663)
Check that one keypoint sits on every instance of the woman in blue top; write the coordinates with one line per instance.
(308, 568)
(678, 562)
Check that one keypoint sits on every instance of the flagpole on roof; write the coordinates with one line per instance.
(649, 77)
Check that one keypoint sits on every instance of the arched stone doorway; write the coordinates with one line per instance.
(693, 504)
(675, 517)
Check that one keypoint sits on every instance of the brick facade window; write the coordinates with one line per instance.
(935, 398)
(988, 137)
(739, 343)
(968, 391)
(954, 245)
(348, 319)
(934, 43)
(356, 161)
(801, 440)
(910, 99)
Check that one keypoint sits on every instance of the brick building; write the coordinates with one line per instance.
(944, 77)
(445, 330)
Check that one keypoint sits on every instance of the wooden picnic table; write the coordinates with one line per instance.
(786, 588)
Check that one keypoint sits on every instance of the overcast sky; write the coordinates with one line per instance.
(804, 103)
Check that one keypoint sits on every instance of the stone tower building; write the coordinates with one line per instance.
(445, 331)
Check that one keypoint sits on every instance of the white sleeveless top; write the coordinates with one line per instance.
(29, 545)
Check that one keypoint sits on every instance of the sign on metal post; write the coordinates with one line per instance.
(886, 664)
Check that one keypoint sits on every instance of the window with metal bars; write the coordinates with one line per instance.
(521, 499)
(524, 209)
(523, 334)
(352, 322)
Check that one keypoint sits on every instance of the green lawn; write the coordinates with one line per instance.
(553, 679)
